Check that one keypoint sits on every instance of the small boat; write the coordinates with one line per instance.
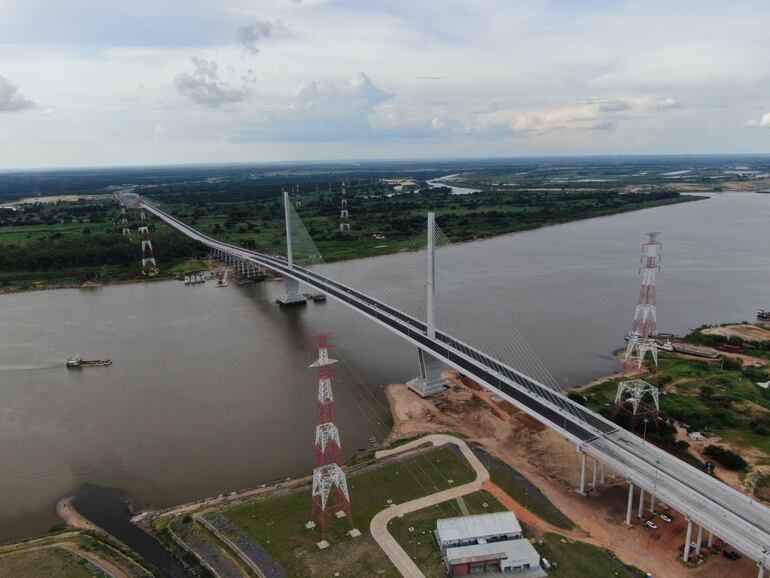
(77, 361)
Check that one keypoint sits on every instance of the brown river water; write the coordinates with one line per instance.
(209, 390)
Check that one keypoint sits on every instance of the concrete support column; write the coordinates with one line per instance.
(652, 504)
(604, 474)
(596, 474)
(640, 513)
(761, 573)
(686, 556)
(582, 474)
(699, 543)
(710, 543)
(630, 503)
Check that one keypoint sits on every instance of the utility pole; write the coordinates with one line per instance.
(641, 339)
(328, 477)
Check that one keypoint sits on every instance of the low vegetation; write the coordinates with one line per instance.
(577, 559)
(719, 398)
(415, 532)
(277, 523)
(49, 562)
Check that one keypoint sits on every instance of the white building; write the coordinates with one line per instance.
(507, 556)
(479, 529)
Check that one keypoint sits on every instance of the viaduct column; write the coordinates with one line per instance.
(699, 541)
(630, 503)
(686, 555)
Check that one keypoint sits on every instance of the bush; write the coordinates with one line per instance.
(727, 458)
(731, 363)
(706, 392)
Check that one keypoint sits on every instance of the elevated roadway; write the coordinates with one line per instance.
(732, 516)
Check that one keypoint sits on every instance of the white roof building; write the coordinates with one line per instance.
(479, 529)
(505, 556)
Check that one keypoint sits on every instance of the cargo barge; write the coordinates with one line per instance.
(77, 362)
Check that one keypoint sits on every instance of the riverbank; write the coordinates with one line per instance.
(550, 463)
(714, 411)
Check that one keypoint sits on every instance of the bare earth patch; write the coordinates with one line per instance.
(551, 463)
(744, 331)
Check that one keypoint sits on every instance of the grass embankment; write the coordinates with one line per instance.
(49, 562)
(68, 243)
(717, 397)
(277, 522)
(531, 498)
(578, 560)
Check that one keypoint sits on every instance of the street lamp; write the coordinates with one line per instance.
(644, 437)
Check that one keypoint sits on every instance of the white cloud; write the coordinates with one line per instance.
(204, 86)
(10, 97)
(325, 111)
(763, 122)
(247, 36)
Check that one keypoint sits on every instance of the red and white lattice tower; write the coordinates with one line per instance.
(641, 340)
(148, 257)
(124, 221)
(344, 221)
(330, 487)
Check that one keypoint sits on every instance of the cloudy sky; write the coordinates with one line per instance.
(117, 82)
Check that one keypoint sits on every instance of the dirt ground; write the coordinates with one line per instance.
(744, 331)
(552, 464)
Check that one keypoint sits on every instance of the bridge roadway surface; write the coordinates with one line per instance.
(736, 518)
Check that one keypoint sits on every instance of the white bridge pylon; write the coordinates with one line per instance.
(737, 519)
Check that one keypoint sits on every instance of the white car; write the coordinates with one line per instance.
(666, 518)
(651, 525)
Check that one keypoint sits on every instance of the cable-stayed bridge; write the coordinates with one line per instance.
(709, 505)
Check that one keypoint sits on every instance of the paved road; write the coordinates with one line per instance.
(734, 517)
(379, 525)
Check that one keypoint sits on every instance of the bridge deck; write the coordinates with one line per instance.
(734, 517)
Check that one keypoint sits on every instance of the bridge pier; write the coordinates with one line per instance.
(582, 473)
(604, 474)
(761, 572)
(640, 512)
(430, 380)
(710, 543)
(596, 474)
(292, 296)
(630, 503)
(686, 555)
(652, 504)
(699, 542)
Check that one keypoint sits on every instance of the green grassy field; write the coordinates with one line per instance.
(578, 560)
(414, 532)
(51, 563)
(706, 395)
(277, 522)
(537, 504)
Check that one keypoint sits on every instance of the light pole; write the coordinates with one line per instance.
(644, 437)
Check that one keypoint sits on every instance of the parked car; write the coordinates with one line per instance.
(732, 555)
(666, 518)
(651, 525)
